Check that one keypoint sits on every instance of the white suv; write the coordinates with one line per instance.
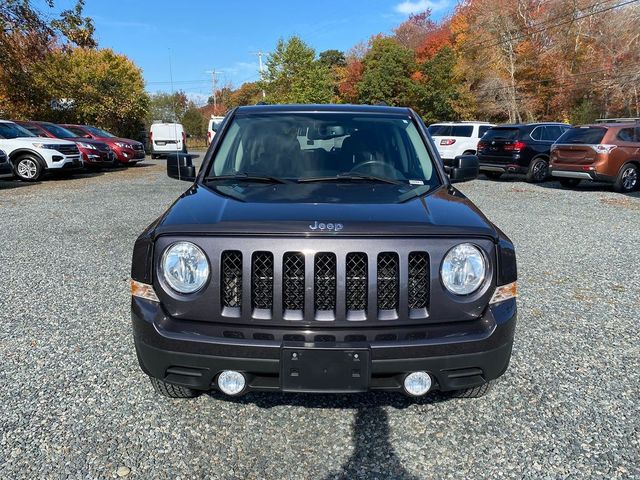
(31, 156)
(457, 138)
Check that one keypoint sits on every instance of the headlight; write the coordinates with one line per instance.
(45, 145)
(123, 145)
(463, 269)
(185, 267)
(86, 145)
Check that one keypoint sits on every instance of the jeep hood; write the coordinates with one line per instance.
(296, 209)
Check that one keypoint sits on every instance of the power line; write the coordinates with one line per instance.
(540, 30)
(555, 80)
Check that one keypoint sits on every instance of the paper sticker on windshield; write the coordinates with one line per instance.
(416, 182)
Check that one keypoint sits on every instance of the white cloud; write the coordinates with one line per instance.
(409, 7)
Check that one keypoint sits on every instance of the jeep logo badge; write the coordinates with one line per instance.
(332, 227)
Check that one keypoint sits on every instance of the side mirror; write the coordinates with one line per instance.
(180, 166)
(464, 168)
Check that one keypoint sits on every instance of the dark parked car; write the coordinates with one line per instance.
(322, 248)
(128, 152)
(522, 148)
(94, 154)
(6, 171)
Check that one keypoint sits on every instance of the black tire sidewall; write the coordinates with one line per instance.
(618, 186)
(531, 175)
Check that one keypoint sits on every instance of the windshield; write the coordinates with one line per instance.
(98, 132)
(57, 131)
(11, 130)
(501, 134)
(583, 135)
(308, 146)
(451, 130)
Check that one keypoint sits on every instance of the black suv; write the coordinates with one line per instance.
(519, 149)
(322, 248)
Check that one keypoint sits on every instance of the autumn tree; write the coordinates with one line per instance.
(412, 32)
(26, 38)
(386, 76)
(294, 75)
(248, 93)
(100, 86)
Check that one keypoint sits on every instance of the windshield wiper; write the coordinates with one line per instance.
(249, 177)
(350, 176)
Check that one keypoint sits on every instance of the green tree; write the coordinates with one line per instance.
(386, 77)
(193, 121)
(332, 58)
(294, 75)
(97, 86)
(168, 107)
(437, 93)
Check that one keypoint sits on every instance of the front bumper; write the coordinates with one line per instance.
(191, 354)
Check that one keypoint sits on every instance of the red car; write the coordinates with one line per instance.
(128, 152)
(95, 154)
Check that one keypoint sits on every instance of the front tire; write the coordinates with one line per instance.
(172, 391)
(28, 168)
(538, 170)
(475, 392)
(627, 179)
(569, 182)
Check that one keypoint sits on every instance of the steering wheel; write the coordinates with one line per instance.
(395, 173)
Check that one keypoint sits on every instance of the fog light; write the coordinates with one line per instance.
(231, 382)
(417, 383)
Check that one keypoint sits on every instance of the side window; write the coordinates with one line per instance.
(32, 129)
(626, 135)
(552, 132)
(536, 133)
(482, 130)
(462, 130)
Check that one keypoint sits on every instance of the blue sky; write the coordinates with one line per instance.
(201, 35)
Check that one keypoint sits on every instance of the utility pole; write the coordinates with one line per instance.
(214, 88)
(259, 54)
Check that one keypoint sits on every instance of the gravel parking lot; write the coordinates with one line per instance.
(75, 404)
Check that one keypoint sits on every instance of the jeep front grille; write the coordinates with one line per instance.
(323, 286)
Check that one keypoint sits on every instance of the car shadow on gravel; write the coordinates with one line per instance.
(10, 184)
(373, 454)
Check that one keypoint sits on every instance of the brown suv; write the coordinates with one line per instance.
(606, 152)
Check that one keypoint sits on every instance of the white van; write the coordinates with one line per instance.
(167, 138)
(212, 128)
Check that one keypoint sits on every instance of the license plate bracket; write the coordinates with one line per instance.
(324, 369)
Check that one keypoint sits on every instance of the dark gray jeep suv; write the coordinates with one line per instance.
(322, 248)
